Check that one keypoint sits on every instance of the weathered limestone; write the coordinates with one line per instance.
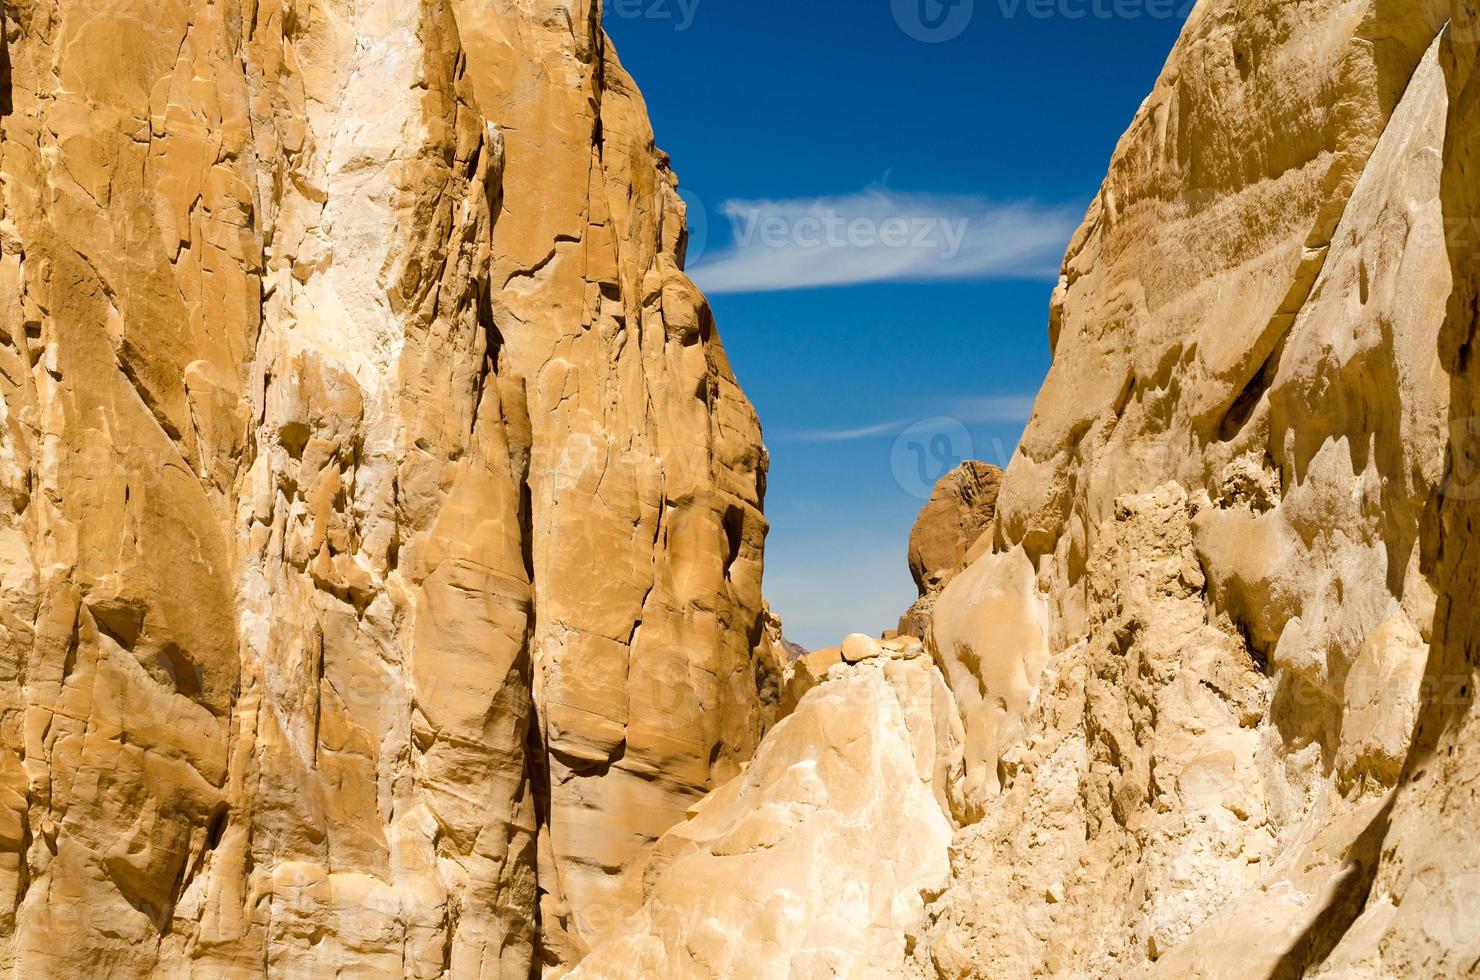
(818, 859)
(1420, 912)
(382, 570)
(1215, 518)
(380, 585)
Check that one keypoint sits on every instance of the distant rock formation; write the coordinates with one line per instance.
(957, 515)
(953, 528)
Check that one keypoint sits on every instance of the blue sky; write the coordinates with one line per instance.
(880, 193)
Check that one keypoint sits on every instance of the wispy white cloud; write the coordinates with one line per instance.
(977, 410)
(994, 408)
(848, 435)
(884, 236)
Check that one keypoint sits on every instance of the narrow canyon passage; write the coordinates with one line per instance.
(381, 590)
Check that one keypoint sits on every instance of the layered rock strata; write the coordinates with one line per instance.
(380, 586)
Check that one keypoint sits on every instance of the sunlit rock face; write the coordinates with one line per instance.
(1191, 668)
(817, 860)
(381, 570)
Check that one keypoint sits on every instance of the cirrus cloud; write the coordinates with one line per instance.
(974, 410)
(884, 236)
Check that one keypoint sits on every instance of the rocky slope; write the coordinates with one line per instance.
(381, 570)
(1213, 678)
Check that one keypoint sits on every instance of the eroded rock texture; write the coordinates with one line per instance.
(380, 585)
(381, 570)
(817, 860)
(1199, 642)
(952, 530)
(958, 513)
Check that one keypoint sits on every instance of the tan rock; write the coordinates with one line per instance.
(819, 858)
(952, 530)
(806, 673)
(858, 647)
(1419, 913)
(1188, 662)
(381, 575)
(1214, 523)
(955, 518)
(384, 549)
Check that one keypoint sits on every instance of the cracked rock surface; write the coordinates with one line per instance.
(381, 570)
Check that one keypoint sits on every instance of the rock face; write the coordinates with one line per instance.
(381, 573)
(1215, 668)
(1424, 897)
(817, 861)
(380, 585)
(958, 513)
(951, 530)
(1192, 664)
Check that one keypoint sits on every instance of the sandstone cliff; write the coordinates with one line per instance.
(381, 570)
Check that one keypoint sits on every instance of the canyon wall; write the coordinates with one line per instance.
(381, 564)
(1191, 668)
